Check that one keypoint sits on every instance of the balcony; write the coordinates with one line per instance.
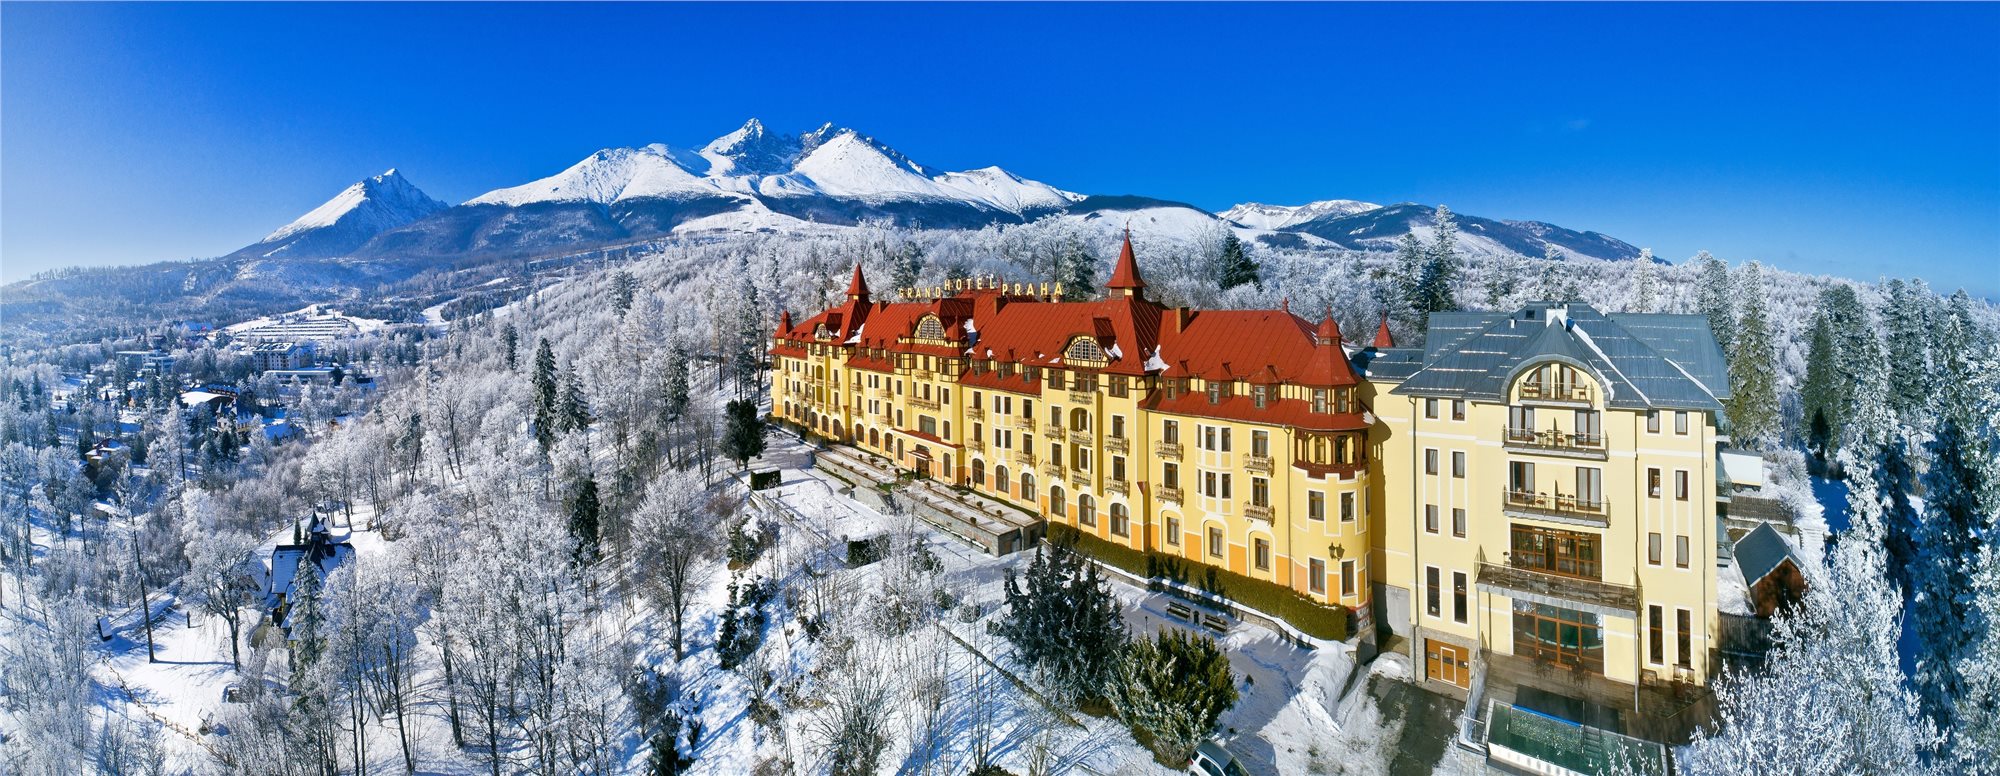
(1024, 457)
(1117, 487)
(1082, 397)
(1025, 424)
(975, 444)
(922, 374)
(975, 412)
(1082, 437)
(881, 392)
(1167, 450)
(1567, 395)
(1053, 432)
(1563, 444)
(1079, 479)
(1116, 444)
(924, 404)
(1170, 494)
(1052, 471)
(1320, 471)
(1258, 512)
(1257, 463)
(1561, 508)
(1589, 595)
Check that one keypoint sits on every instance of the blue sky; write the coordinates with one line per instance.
(1857, 140)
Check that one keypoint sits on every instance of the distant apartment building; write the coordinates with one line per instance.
(281, 355)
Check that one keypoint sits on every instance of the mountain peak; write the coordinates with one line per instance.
(364, 209)
(1257, 215)
(750, 150)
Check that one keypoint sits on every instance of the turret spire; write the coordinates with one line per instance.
(1382, 337)
(1125, 275)
(857, 289)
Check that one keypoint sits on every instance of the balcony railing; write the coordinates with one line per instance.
(923, 374)
(1116, 444)
(1167, 450)
(1560, 506)
(1117, 487)
(1079, 478)
(1170, 494)
(1024, 457)
(1053, 431)
(1257, 463)
(1590, 595)
(1082, 397)
(1082, 437)
(1556, 392)
(881, 392)
(1052, 471)
(1258, 512)
(975, 412)
(975, 444)
(1558, 442)
(924, 404)
(1025, 424)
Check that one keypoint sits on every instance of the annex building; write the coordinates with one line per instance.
(1527, 491)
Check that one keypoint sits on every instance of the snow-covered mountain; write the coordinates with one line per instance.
(1257, 215)
(349, 220)
(756, 180)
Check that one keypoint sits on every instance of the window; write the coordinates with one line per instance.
(1084, 349)
(1430, 518)
(1000, 481)
(1458, 596)
(1215, 542)
(1680, 484)
(1555, 551)
(1257, 394)
(1118, 427)
(1118, 467)
(1684, 634)
(1086, 510)
(1170, 432)
(1590, 488)
(1214, 392)
(1262, 554)
(1431, 409)
(1027, 485)
(1431, 590)
(1173, 531)
(1058, 503)
(1458, 522)
(1653, 548)
(1260, 491)
(1319, 400)
(1347, 577)
(1316, 576)
(1652, 421)
(1121, 522)
(1521, 477)
(1457, 409)
(1656, 638)
(1653, 483)
(1260, 444)
(1056, 379)
(1342, 399)
(1430, 460)
(1681, 550)
(1315, 506)
(1347, 507)
(978, 472)
(1681, 423)
(1458, 464)
(1170, 475)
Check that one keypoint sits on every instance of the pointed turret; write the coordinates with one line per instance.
(1329, 330)
(1382, 337)
(857, 289)
(1125, 276)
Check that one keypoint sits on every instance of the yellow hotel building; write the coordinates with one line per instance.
(1537, 485)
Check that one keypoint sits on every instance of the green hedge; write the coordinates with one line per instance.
(1310, 617)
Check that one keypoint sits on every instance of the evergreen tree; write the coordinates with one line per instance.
(510, 344)
(1078, 272)
(573, 409)
(1173, 688)
(674, 389)
(1714, 298)
(1234, 267)
(1753, 367)
(1962, 489)
(747, 362)
(1063, 622)
(1906, 321)
(744, 437)
(1504, 280)
(305, 618)
(1820, 394)
(547, 392)
(1438, 280)
(906, 265)
(1556, 285)
(1409, 269)
(585, 513)
(1645, 291)
(623, 289)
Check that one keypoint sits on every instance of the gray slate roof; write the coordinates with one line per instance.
(1644, 361)
(1759, 552)
(1387, 363)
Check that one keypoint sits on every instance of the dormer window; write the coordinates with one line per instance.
(930, 328)
(1319, 400)
(1084, 349)
(1214, 392)
(1257, 396)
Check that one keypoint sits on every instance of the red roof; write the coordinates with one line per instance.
(1382, 336)
(1125, 275)
(1296, 413)
(1259, 346)
(857, 286)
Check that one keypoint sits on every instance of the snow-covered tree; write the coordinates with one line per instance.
(1173, 687)
(1234, 267)
(1753, 407)
(1062, 620)
(1715, 297)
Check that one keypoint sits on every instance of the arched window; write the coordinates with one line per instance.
(930, 328)
(1121, 522)
(1079, 420)
(1028, 485)
(978, 472)
(1083, 349)
(874, 438)
(1058, 503)
(1000, 481)
(1344, 450)
(1086, 510)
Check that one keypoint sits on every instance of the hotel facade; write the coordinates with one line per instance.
(1536, 485)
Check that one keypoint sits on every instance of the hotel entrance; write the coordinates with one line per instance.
(1448, 663)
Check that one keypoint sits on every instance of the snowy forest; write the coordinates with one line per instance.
(558, 568)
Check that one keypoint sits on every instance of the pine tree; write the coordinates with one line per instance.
(1906, 320)
(747, 362)
(1234, 266)
(1436, 288)
(305, 618)
(1645, 291)
(1063, 622)
(1555, 284)
(510, 343)
(674, 388)
(1505, 278)
(1078, 272)
(744, 437)
(1714, 298)
(573, 408)
(546, 394)
(906, 265)
(1820, 393)
(585, 513)
(623, 289)
(1976, 711)
(1753, 367)
(1409, 269)
(1173, 688)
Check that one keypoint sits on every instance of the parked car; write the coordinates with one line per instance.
(1210, 759)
